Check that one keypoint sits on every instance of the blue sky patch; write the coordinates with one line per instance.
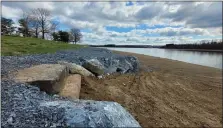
(118, 29)
(138, 27)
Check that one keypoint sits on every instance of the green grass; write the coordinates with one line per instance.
(11, 45)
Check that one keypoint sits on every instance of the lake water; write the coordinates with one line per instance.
(210, 59)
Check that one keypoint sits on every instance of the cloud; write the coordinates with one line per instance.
(196, 19)
(202, 15)
(13, 13)
(149, 11)
(182, 32)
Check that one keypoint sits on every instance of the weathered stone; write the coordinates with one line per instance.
(26, 106)
(87, 113)
(94, 66)
(76, 69)
(124, 64)
(72, 87)
(48, 77)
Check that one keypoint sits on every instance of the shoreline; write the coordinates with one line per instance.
(165, 59)
(196, 50)
(164, 93)
(131, 53)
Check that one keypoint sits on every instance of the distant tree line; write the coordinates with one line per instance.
(73, 36)
(37, 23)
(213, 45)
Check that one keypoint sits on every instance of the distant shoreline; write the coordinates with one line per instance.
(199, 50)
(126, 46)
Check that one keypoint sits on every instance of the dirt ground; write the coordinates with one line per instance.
(174, 94)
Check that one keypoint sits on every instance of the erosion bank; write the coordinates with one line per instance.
(174, 94)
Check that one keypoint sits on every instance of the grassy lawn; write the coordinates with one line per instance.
(11, 45)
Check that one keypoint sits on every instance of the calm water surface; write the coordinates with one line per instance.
(210, 59)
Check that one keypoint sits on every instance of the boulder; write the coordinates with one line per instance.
(26, 106)
(48, 77)
(76, 69)
(125, 64)
(94, 66)
(87, 113)
(120, 64)
(72, 87)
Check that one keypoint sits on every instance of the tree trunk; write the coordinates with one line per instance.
(36, 33)
(75, 39)
(43, 32)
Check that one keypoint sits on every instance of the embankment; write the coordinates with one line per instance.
(165, 93)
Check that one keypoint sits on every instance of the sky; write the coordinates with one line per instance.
(152, 23)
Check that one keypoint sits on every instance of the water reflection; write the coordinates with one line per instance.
(210, 59)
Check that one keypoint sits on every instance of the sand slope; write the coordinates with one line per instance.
(174, 94)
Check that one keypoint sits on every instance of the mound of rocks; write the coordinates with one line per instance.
(112, 62)
(24, 105)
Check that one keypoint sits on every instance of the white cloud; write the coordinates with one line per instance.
(195, 18)
(13, 13)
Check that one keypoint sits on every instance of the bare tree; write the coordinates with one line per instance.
(43, 18)
(34, 26)
(75, 35)
(24, 24)
(54, 25)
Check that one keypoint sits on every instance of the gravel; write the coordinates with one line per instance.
(20, 103)
(106, 57)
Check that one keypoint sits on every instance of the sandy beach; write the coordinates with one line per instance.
(173, 94)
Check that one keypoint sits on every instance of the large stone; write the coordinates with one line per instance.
(48, 77)
(94, 66)
(72, 87)
(76, 69)
(125, 64)
(87, 113)
(26, 106)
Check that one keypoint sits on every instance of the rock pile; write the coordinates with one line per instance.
(25, 105)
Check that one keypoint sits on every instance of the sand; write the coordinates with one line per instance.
(174, 94)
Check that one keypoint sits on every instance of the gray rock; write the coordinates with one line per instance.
(85, 113)
(94, 66)
(26, 106)
(76, 69)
